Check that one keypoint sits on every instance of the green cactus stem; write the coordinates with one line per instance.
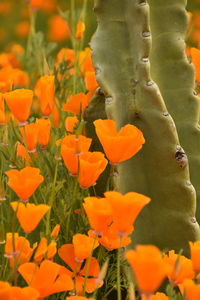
(121, 47)
(175, 77)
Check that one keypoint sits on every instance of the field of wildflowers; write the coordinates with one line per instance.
(65, 227)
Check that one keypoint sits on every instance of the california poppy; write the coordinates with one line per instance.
(70, 123)
(148, 266)
(180, 268)
(45, 91)
(35, 4)
(195, 54)
(78, 298)
(58, 29)
(157, 296)
(22, 252)
(72, 146)
(9, 292)
(66, 54)
(80, 28)
(118, 146)
(29, 215)
(45, 251)
(85, 61)
(92, 164)
(192, 290)
(44, 128)
(76, 104)
(128, 205)
(46, 278)
(67, 254)
(83, 246)
(25, 181)
(90, 81)
(29, 134)
(99, 213)
(2, 111)
(195, 255)
(55, 231)
(19, 102)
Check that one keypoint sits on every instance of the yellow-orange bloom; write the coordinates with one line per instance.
(157, 296)
(125, 209)
(29, 215)
(180, 267)
(195, 255)
(195, 54)
(44, 128)
(90, 81)
(19, 102)
(22, 251)
(58, 29)
(55, 231)
(71, 148)
(99, 213)
(78, 298)
(83, 246)
(76, 104)
(25, 181)
(148, 266)
(70, 123)
(46, 278)
(192, 290)
(80, 28)
(45, 91)
(29, 134)
(92, 164)
(8, 292)
(118, 146)
(45, 251)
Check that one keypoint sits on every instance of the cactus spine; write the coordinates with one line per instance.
(175, 77)
(121, 47)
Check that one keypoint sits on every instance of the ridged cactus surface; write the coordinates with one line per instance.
(175, 77)
(121, 47)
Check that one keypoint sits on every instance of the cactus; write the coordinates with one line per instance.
(175, 77)
(121, 47)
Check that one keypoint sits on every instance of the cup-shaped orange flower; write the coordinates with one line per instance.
(195, 54)
(80, 28)
(192, 290)
(67, 254)
(22, 252)
(58, 29)
(29, 215)
(46, 279)
(29, 134)
(180, 268)
(118, 146)
(19, 102)
(76, 104)
(55, 232)
(99, 213)
(45, 251)
(90, 81)
(148, 266)
(157, 296)
(78, 298)
(70, 123)
(44, 128)
(83, 246)
(72, 146)
(25, 181)
(125, 210)
(195, 255)
(2, 111)
(8, 292)
(92, 164)
(45, 91)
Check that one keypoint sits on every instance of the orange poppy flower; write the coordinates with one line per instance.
(118, 146)
(148, 266)
(128, 205)
(22, 29)
(2, 111)
(22, 152)
(58, 29)
(35, 4)
(76, 104)
(8, 292)
(55, 232)
(66, 54)
(67, 254)
(44, 128)
(46, 278)
(83, 246)
(180, 268)
(25, 181)
(19, 102)
(195, 255)
(99, 213)
(85, 61)
(78, 298)
(45, 251)
(80, 28)
(55, 117)
(92, 164)
(23, 251)
(70, 123)
(157, 296)
(29, 134)
(71, 147)
(191, 289)
(45, 91)
(90, 81)
(29, 215)
(195, 54)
